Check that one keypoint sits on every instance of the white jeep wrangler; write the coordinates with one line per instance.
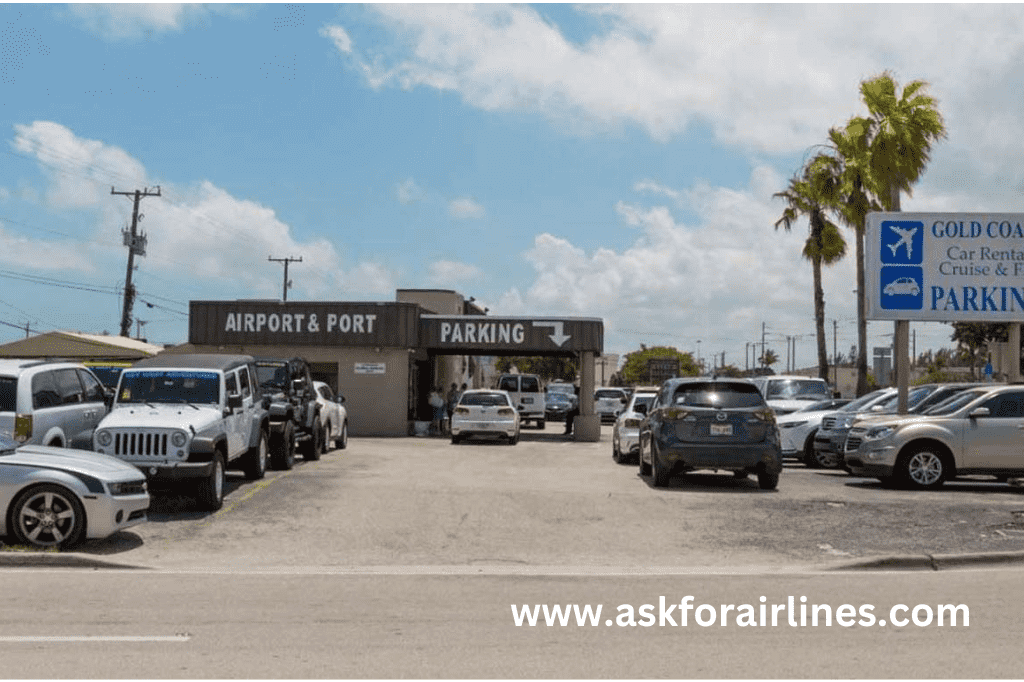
(189, 417)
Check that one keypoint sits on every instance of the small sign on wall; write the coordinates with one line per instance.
(371, 368)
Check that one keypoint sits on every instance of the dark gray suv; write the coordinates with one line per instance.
(717, 424)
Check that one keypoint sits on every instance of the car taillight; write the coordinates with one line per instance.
(461, 410)
(22, 427)
(676, 413)
(506, 411)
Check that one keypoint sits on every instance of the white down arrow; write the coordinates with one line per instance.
(558, 337)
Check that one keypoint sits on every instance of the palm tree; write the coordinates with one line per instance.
(810, 195)
(851, 167)
(904, 127)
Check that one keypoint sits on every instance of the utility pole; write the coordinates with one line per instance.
(136, 244)
(835, 355)
(763, 326)
(286, 261)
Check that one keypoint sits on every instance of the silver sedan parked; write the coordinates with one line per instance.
(57, 497)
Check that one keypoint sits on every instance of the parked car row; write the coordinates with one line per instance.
(172, 419)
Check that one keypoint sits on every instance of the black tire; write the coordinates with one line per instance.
(922, 468)
(456, 439)
(282, 447)
(740, 475)
(540, 424)
(645, 469)
(767, 480)
(256, 459)
(616, 454)
(210, 490)
(828, 460)
(659, 474)
(342, 442)
(48, 515)
(315, 445)
(809, 458)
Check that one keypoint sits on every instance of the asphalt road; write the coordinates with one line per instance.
(404, 558)
(552, 502)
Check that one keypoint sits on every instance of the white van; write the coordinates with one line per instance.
(527, 396)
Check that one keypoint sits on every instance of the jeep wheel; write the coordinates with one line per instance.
(256, 460)
(315, 445)
(342, 442)
(210, 491)
(540, 424)
(282, 447)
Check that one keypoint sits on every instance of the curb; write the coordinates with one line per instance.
(934, 562)
(29, 559)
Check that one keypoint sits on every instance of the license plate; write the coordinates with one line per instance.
(528, 401)
(721, 429)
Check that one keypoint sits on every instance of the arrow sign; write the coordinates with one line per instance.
(558, 337)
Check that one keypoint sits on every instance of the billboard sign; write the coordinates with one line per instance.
(945, 267)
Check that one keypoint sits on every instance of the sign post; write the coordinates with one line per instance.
(943, 267)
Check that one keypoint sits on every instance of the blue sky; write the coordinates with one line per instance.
(612, 161)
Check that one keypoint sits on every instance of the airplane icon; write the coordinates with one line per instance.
(905, 239)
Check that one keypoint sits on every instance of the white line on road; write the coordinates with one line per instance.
(93, 638)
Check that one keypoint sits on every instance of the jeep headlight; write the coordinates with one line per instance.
(178, 439)
(879, 432)
(103, 438)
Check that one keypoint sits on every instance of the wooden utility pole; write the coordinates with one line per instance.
(286, 261)
(136, 244)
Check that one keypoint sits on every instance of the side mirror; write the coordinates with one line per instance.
(234, 401)
(979, 412)
(266, 402)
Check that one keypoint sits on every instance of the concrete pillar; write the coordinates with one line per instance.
(587, 426)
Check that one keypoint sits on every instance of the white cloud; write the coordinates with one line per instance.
(339, 37)
(450, 273)
(465, 208)
(408, 192)
(133, 20)
(716, 279)
(19, 251)
(200, 232)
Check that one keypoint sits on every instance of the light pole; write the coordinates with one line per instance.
(700, 367)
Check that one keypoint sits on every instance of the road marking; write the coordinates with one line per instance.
(93, 638)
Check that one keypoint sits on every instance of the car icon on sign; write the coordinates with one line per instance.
(904, 286)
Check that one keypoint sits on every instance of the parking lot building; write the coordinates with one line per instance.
(384, 357)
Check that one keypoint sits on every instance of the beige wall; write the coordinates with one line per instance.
(377, 404)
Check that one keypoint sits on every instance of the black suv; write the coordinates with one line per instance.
(290, 398)
(717, 424)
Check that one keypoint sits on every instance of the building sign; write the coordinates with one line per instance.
(370, 368)
(302, 323)
(661, 369)
(945, 267)
(519, 335)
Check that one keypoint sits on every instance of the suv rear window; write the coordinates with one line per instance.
(794, 388)
(606, 393)
(484, 399)
(719, 395)
(529, 385)
(8, 394)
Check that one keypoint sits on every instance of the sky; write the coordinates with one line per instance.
(608, 161)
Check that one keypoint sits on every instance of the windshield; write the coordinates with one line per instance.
(647, 400)
(169, 386)
(796, 389)
(957, 401)
(272, 376)
(863, 401)
(484, 399)
(913, 398)
(608, 393)
(718, 395)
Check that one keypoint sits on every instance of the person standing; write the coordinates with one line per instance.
(437, 405)
(451, 400)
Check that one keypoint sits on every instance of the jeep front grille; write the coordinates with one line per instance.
(140, 444)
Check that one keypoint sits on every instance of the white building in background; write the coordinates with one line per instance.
(605, 365)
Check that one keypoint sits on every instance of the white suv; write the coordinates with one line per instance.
(189, 417)
(50, 403)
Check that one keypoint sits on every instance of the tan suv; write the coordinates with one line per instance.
(50, 403)
(977, 431)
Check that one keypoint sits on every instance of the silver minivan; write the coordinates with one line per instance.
(48, 402)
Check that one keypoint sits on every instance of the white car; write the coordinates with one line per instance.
(797, 429)
(787, 393)
(57, 497)
(609, 403)
(626, 432)
(485, 412)
(333, 415)
(904, 286)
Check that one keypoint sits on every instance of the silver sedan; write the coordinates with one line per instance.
(58, 497)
